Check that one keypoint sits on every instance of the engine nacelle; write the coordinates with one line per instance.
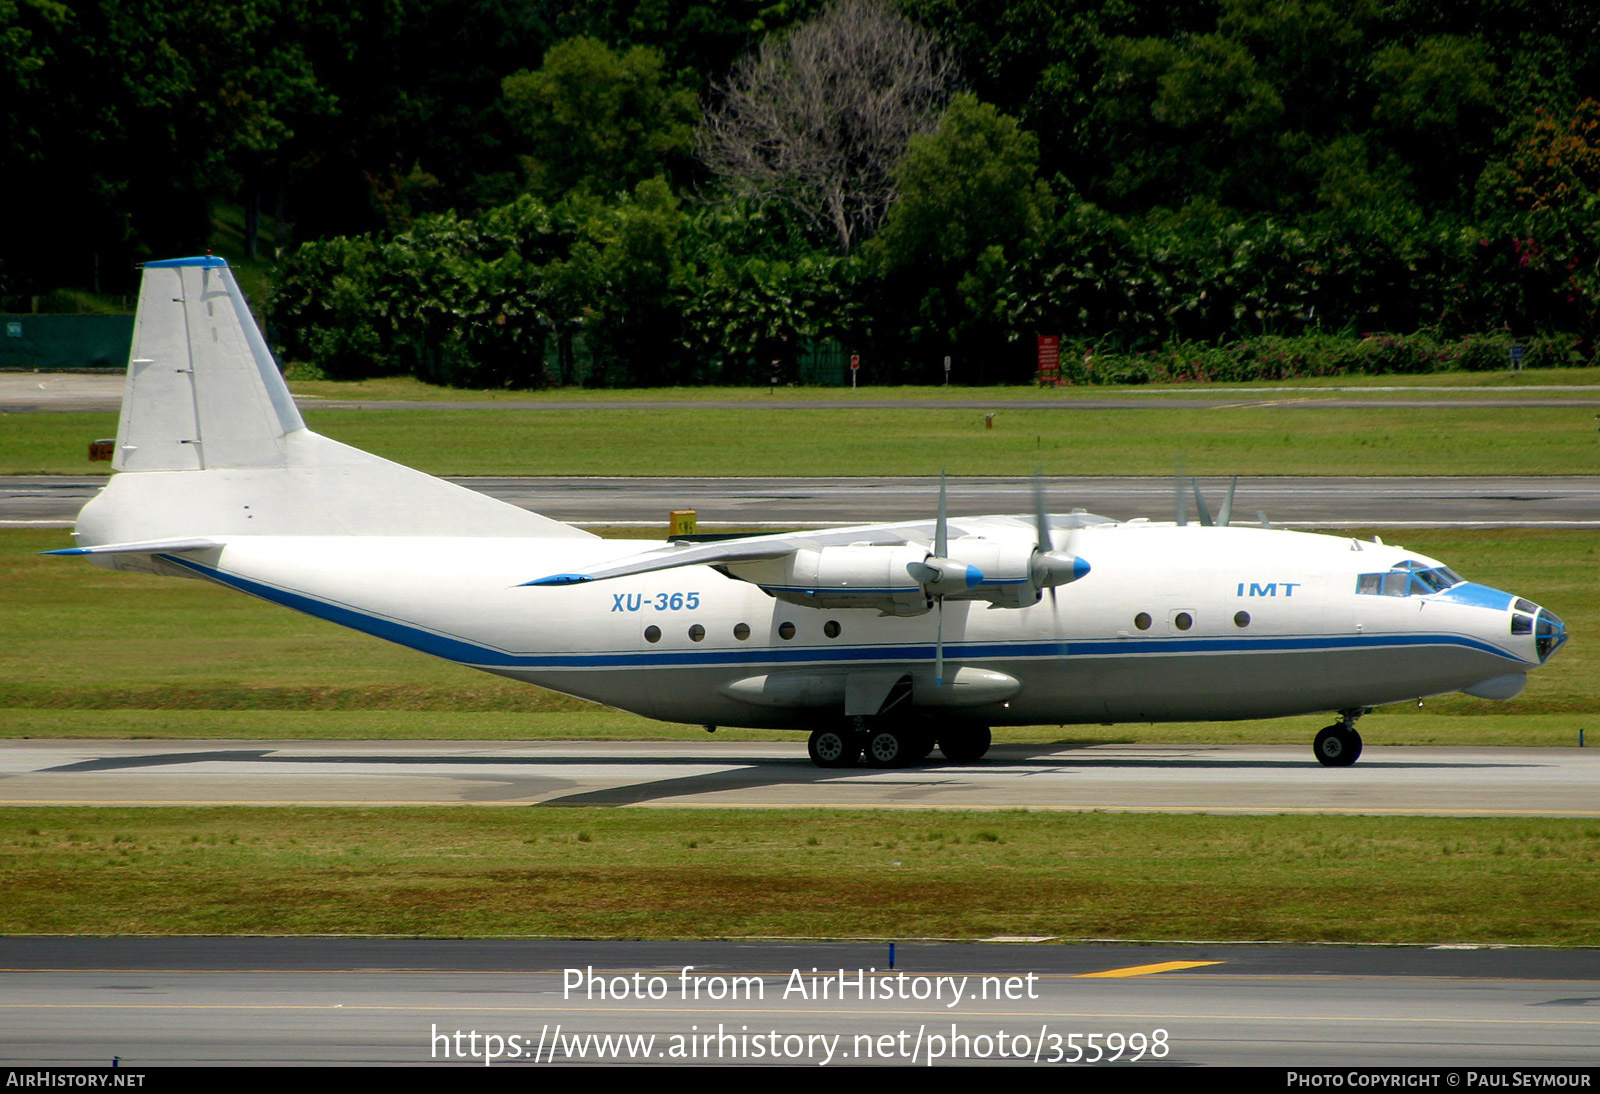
(1007, 572)
(843, 577)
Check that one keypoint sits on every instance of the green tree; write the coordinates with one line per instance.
(600, 120)
(970, 202)
(1539, 263)
(1436, 107)
(618, 282)
(753, 291)
(969, 185)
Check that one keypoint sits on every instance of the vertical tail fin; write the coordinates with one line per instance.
(210, 442)
(203, 391)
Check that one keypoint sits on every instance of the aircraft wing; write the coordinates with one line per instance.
(724, 552)
(703, 554)
(896, 568)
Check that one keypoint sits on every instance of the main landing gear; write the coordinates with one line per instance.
(833, 747)
(894, 745)
(1339, 745)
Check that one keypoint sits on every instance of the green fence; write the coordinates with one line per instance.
(65, 341)
(824, 364)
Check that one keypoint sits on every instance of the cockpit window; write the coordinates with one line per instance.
(1549, 635)
(1435, 580)
(1408, 578)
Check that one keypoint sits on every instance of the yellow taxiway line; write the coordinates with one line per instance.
(1145, 970)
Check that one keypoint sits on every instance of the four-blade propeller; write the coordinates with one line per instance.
(942, 576)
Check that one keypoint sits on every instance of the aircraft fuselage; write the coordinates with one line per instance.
(1172, 624)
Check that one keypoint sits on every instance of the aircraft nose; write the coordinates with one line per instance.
(1549, 634)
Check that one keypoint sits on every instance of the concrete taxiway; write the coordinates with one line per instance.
(1329, 503)
(79, 392)
(1417, 781)
(153, 1002)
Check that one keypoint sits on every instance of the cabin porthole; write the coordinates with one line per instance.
(652, 633)
(1142, 621)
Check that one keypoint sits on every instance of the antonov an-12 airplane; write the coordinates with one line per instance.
(881, 641)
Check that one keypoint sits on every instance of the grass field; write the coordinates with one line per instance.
(1466, 383)
(622, 873)
(671, 440)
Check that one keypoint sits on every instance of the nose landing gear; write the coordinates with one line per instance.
(1339, 745)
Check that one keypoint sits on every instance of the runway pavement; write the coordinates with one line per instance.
(154, 1002)
(1414, 781)
(1331, 502)
(100, 392)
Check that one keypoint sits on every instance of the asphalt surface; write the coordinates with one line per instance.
(84, 392)
(1274, 779)
(220, 1001)
(1331, 502)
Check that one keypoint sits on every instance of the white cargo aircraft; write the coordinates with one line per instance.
(881, 640)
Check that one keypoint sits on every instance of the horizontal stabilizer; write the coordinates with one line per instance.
(145, 547)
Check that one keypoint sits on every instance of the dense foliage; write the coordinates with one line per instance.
(525, 192)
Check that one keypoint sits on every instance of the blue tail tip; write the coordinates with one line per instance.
(558, 579)
(205, 262)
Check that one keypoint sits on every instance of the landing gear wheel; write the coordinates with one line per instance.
(888, 748)
(1337, 746)
(965, 746)
(833, 748)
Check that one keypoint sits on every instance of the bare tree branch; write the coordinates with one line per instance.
(817, 118)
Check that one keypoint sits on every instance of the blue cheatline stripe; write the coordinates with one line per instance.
(209, 262)
(454, 648)
(440, 645)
